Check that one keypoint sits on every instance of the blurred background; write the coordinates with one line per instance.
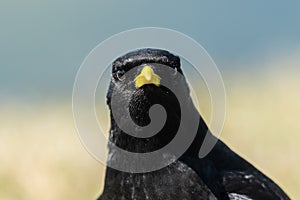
(43, 43)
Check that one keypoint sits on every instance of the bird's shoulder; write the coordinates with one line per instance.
(239, 177)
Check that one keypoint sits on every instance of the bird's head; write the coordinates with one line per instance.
(139, 77)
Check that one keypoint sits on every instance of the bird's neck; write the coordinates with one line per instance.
(142, 145)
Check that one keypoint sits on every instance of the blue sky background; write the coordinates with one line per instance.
(43, 43)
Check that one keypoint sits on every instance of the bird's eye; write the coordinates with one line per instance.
(121, 74)
(175, 71)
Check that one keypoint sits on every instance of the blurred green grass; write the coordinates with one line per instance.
(42, 157)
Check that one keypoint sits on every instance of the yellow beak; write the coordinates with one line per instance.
(147, 76)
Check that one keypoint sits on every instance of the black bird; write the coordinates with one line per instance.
(222, 174)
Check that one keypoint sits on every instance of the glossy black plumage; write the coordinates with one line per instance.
(222, 174)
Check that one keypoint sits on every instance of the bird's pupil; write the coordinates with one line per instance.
(120, 74)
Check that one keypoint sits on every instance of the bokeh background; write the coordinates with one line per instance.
(42, 44)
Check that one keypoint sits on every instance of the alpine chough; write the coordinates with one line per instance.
(222, 174)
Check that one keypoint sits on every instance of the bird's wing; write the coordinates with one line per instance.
(251, 185)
